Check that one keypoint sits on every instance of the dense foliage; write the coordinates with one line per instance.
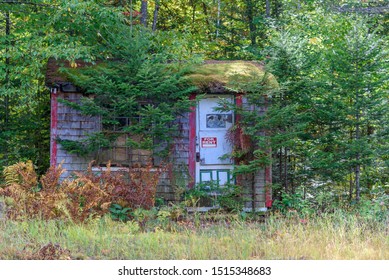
(327, 125)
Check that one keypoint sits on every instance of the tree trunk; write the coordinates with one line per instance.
(250, 17)
(193, 15)
(218, 18)
(143, 10)
(253, 195)
(357, 130)
(267, 8)
(155, 16)
(205, 11)
(6, 80)
(131, 16)
(351, 182)
(292, 160)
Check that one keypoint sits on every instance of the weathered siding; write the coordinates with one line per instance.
(177, 175)
(254, 184)
(72, 125)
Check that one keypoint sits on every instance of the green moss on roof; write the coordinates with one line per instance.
(230, 74)
(211, 76)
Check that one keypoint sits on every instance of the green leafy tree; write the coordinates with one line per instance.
(143, 84)
(24, 101)
(31, 32)
(357, 68)
(327, 122)
(332, 106)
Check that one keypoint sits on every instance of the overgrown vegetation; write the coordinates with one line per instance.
(103, 216)
(326, 124)
(140, 93)
(77, 199)
(197, 237)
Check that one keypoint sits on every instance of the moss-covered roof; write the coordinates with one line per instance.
(211, 77)
(218, 76)
(54, 76)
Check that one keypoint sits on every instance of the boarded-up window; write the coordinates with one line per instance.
(121, 152)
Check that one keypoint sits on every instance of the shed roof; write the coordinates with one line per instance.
(217, 76)
(53, 75)
(211, 76)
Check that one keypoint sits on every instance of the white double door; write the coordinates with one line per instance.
(213, 150)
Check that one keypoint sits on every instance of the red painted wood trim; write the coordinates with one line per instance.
(192, 143)
(53, 127)
(239, 103)
(239, 99)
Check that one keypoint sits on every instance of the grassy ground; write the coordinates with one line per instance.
(196, 237)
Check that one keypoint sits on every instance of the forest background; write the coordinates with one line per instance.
(327, 123)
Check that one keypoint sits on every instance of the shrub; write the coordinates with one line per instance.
(86, 194)
(293, 202)
(228, 197)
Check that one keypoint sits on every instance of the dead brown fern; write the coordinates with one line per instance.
(86, 198)
(141, 188)
(87, 194)
(21, 183)
(22, 173)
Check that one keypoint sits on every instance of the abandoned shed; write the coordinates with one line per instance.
(198, 153)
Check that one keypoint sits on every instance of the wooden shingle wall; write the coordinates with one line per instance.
(254, 184)
(258, 196)
(176, 175)
(72, 125)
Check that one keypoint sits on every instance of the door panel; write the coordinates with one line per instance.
(215, 164)
(213, 127)
(219, 177)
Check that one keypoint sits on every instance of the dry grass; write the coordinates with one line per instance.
(333, 237)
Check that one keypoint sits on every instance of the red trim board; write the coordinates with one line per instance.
(192, 143)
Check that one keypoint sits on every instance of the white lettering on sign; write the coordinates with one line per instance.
(208, 142)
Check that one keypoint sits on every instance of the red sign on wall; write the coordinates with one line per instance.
(208, 142)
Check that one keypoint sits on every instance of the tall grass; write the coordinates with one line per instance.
(335, 236)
